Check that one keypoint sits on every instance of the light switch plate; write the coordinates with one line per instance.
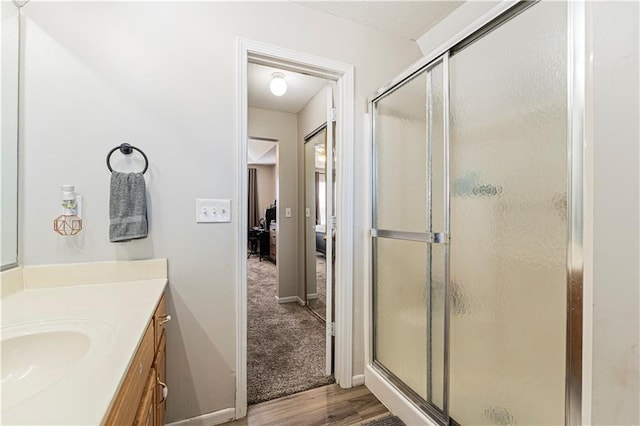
(307, 212)
(287, 212)
(213, 211)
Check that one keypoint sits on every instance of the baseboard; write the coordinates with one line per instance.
(357, 380)
(287, 299)
(395, 402)
(208, 419)
(309, 297)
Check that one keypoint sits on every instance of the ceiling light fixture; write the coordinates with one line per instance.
(278, 86)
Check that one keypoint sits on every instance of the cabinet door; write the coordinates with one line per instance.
(160, 318)
(126, 404)
(161, 380)
(145, 413)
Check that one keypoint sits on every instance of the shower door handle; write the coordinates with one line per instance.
(438, 238)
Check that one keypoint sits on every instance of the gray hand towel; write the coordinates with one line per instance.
(127, 207)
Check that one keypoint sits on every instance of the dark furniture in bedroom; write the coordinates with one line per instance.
(261, 238)
(259, 242)
(321, 242)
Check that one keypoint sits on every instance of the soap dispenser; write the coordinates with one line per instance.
(69, 222)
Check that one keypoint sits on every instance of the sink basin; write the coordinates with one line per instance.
(35, 356)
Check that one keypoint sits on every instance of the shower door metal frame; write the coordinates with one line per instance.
(576, 100)
(576, 143)
(430, 237)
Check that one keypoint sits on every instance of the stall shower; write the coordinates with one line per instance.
(472, 225)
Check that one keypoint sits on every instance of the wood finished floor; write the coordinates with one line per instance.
(328, 405)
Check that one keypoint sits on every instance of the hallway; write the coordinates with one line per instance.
(285, 342)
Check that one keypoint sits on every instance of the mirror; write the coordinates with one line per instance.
(315, 222)
(9, 152)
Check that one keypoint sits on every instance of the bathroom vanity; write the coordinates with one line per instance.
(141, 399)
(85, 344)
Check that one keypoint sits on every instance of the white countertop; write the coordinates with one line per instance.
(116, 316)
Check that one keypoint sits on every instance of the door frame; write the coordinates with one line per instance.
(343, 74)
(579, 235)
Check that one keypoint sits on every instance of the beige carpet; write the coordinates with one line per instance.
(285, 342)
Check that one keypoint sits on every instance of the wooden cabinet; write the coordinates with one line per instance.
(273, 239)
(146, 409)
(141, 397)
(160, 367)
(160, 363)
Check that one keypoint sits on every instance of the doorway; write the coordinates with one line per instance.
(342, 74)
(286, 341)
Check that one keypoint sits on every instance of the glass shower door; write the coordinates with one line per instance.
(409, 271)
(400, 248)
(470, 225)
(508, 273)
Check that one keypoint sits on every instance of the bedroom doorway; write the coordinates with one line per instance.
(287, 349)
(342, 77)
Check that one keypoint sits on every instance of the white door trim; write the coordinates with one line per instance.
(329, 213)
(343, 73)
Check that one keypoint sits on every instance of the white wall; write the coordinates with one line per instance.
(283, 126)
(162, 76)
(314, 114)
(616, 288)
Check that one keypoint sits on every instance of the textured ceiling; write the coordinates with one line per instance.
(301, 89)
(407, 19)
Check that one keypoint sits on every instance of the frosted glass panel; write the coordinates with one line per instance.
(436, 253)
(508, 222)
(400, 147)
(400, 309)
(435, 343)
(435, 130)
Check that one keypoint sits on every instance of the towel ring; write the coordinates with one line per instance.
(127, 149)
